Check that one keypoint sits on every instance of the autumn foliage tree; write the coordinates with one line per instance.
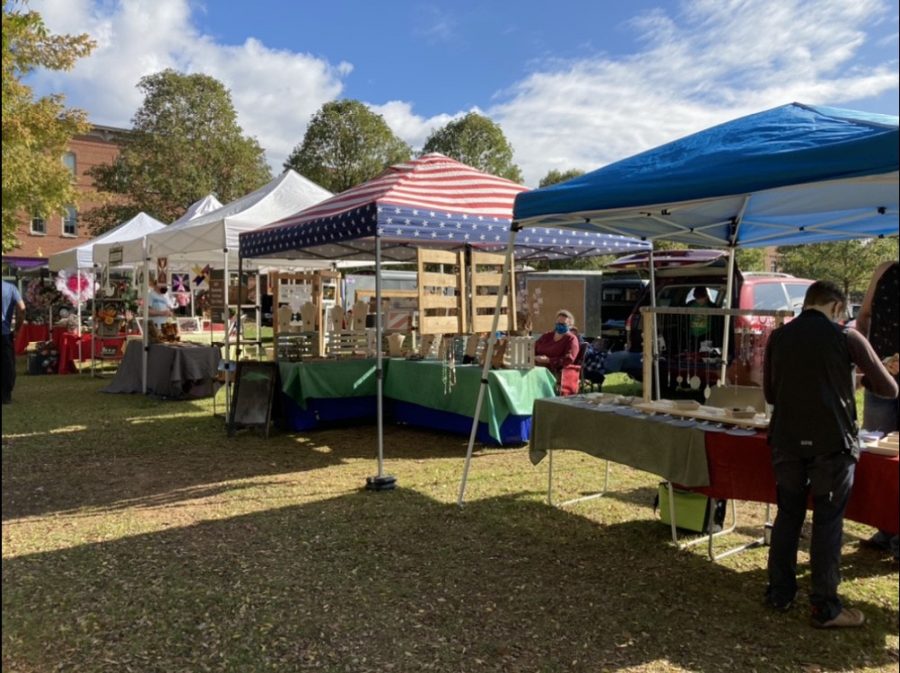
(36, 131)
(346, 144)
(185, 143)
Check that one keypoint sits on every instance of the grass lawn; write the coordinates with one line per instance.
(137, 537)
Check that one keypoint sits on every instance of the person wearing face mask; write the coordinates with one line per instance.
(159, 307)
(813, 436)
(558, 347)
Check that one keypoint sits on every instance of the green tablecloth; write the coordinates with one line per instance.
(509, 392)
(676, 454)
(329, 379)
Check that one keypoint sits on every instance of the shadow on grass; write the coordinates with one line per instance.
(396, 580)
(67, 446)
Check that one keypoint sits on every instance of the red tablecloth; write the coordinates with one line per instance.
(29, 332)
(68, 349)
(741, 468)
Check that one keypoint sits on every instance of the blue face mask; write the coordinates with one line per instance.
(561, 328)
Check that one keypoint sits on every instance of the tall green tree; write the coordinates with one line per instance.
(36, 132)
(848, 263)
(346, 144)
(476, 141)
(555, 176)
(185, 143)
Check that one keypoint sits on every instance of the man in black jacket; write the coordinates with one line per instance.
(808, 378)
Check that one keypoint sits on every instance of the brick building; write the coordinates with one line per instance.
(41, 237)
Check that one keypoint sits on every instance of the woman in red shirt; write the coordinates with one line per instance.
(558, 347)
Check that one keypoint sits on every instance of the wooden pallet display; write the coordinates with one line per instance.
(316, 281)
(442, 293)
(486, 274)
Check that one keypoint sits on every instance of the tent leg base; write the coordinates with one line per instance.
(384, 482)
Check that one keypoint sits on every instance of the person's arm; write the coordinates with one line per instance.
(864, 317)
(876, 377)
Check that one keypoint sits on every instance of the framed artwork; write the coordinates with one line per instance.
(188, 325)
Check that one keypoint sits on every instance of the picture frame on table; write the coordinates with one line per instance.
(188, 325)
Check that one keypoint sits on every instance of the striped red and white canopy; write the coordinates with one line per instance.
(432, 201)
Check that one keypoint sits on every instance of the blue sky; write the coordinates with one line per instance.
(572, 84)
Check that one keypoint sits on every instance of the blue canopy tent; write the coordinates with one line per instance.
(794, 174)
(432, 201)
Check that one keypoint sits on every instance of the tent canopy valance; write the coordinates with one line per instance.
(432, 201)
(82, 256)
(794, 174)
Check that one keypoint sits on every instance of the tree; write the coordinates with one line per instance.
(478, 142)
(848, 263)
(554, 176)
(346, 144)
(185, 143)
(36, 132)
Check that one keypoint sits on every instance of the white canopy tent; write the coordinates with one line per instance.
(212, 237)
(205, 205)
(82, 256)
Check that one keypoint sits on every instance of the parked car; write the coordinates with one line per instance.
(689, 364)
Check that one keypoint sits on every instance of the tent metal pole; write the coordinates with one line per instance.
(381, 481)
(80, 300)
(655, 346)
(237, 317)
(226, 317)
(729, 288)
(145, 291)
(486, 368)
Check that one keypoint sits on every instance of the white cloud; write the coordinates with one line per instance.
(274, 91)
(707, 62)
(715, 61)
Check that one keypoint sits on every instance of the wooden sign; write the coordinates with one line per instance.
(254, 391)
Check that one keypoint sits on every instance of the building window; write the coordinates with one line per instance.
(69, 162)
(70, 222)
(38, 225)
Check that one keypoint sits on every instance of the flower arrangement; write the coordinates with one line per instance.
(40, 299)
(77, 287)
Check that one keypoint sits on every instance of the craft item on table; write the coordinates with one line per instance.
(284, 318)
(360, 311)
(448, 367)
(686, 405)
(740, 412)
(499, 354)
(337, 318)
(308, 314)
(520, 352)
(426, 346)
(395, 345)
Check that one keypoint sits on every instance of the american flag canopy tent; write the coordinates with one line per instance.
(432, 201)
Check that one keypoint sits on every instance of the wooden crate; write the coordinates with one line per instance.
(442, 292)
(486, 274)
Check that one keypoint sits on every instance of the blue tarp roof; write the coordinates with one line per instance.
(793, 174)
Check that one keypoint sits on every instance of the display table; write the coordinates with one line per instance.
(313, 392)
(173, 370)
(715, 463)
(741, 468)
(418, 397)
(29, 332)
(677, 454)
(69, 349)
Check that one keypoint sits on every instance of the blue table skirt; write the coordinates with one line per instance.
(320, 411)
(323, 411)
(514, 430)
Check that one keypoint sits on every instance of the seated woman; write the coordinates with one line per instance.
(559, 347)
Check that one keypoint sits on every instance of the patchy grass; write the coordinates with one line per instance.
(137, 537)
